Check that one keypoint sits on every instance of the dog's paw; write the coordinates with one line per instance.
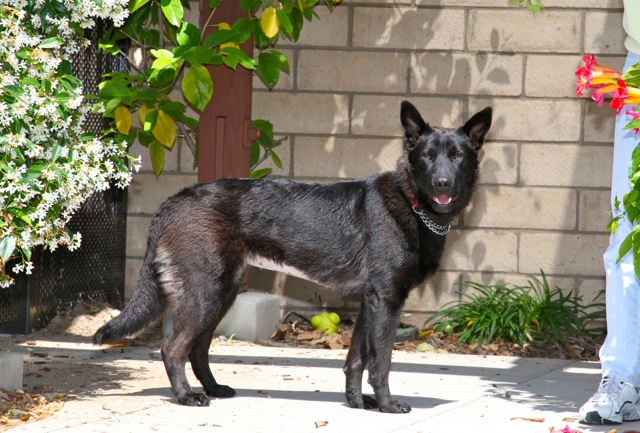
(221, 391)
(194, 399)
(395, 406)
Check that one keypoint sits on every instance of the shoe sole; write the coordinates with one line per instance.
(595, 418)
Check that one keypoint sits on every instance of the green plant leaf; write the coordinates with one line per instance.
(268, 68)
(50, 43)
(156, 152)
(632, 75)
(134, 5)
(7, 246)
(165, 130)
(260, 173)
(172, 11)
(249, 6)
(197, 86)
(188, 34)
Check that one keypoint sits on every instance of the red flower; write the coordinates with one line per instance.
(619, 96)
(599, 78)
(636, 116)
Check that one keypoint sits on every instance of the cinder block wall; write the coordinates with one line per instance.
(542, 202)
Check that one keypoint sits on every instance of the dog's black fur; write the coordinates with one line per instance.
(362, 238)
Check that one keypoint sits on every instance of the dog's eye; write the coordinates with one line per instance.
(457, 156)
(429, 156)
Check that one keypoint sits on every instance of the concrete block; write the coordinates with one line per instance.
(523, 208)
(605, 34)
(329, 29)
(564, 254)
(481, 250)
(310, 113)
(12, 371)
(380, 115)
(533, 119)
(564, 165)
(147, 192)
(498, 162)
(521, 31)
(386, 72)
(253, 317)
(551, 76)
(466, 74)
(335, 157)
(409, 28)
(595, 210)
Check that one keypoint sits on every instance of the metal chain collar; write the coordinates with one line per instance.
(431, 225)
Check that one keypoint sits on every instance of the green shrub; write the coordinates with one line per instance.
(518, 314)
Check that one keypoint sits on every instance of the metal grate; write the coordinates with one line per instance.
(96, 270)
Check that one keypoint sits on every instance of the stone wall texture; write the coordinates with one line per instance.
(543, 198)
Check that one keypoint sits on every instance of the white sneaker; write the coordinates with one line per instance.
(615, 401)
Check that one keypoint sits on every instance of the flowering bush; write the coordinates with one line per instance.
(48, 164)
(625, 91)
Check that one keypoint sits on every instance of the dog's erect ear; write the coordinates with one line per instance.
(412, 123)
(477, 127)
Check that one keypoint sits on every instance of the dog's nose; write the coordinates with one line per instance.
(441, 182)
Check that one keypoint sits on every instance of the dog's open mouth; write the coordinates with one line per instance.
(443, 199)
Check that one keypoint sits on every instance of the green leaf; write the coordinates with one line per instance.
(632, 75)
(213, 4)
(156, 152)
(21, 215)
(285, 23)
(50, 43)
(188, 34)
(276, 159)
(197, 86)
(268, 68)
(249, 6)
(7, 246)
(173, 11)
(625, 246)
(634, 164)
(257, 174)
(255, 153)
(134, 5)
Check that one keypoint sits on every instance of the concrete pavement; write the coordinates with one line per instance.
(301, 390)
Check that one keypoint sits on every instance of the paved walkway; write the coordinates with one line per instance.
(297, 390)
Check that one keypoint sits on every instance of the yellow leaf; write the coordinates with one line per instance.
(123, 119)
(269, 22)
(143, 113)
(165, 130)
(226, 26)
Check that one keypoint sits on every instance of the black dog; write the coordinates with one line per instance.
(375, 238)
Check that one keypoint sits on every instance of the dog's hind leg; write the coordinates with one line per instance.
(175, 350)
(357, 359)
(199, 356)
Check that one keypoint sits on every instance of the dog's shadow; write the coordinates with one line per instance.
(416, 402)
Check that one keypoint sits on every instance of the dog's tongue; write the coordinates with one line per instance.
(443, 199)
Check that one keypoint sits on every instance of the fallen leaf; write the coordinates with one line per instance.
(528, 419)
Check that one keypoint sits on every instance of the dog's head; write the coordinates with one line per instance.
(441, 163)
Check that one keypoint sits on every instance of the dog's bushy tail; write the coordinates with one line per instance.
(145, 306)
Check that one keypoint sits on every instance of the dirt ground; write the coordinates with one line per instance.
(50, 378)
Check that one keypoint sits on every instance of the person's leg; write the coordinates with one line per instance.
(617, 398)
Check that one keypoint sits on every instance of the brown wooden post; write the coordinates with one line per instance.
(225, 125)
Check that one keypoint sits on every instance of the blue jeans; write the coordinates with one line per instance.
(620, 353)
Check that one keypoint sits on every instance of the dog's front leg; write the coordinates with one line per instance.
(383, 317)
(355, 365)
